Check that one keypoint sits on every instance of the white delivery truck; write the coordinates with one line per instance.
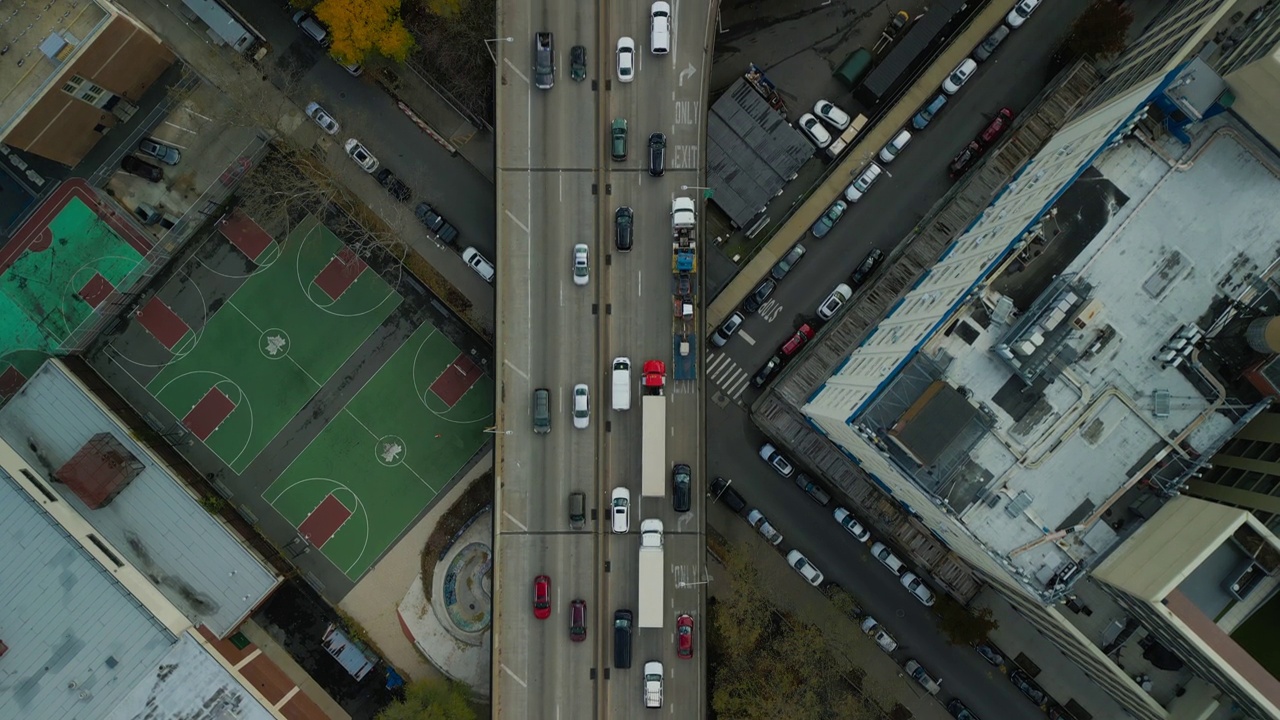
(621, 383)
(653, 571)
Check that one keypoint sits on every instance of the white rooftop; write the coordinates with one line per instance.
(1161, 259)
(155, 523)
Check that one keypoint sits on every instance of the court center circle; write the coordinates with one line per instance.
(274, 344)
(389, 450)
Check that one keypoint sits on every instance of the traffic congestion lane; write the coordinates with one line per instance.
(902, 197)
(812, 529)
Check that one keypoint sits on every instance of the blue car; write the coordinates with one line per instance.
(829, 219)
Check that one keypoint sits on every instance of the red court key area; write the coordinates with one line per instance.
(162, 322)
(456, 380)
(324, 521)
(340, 273)
(208, 414)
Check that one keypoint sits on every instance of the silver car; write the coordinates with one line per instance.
(581, 273)
(758, 521)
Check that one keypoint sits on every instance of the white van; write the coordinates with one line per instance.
(621, 383)
(660, 34)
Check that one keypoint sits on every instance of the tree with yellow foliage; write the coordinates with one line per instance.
(361, 27)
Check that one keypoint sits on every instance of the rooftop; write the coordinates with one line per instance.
(35, 38)
(154, 522)
(1085, 389)
(752, 152)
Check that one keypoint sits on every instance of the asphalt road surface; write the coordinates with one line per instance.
(881, 219)
(556, 187)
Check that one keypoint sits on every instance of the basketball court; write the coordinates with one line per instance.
(381, 461)
(65, 261)
(236, 366)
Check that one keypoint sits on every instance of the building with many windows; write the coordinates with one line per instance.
(1065, 346)
(71, 70)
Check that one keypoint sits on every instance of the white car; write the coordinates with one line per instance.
(581, 273)
(916, 587)
(959, 76)
(804, 567)
(1021, 12)
(322, 118)
(859, 187)
(810, 126)
(361, 155)
(890, 151)
(620, 510)
(848, 522)
(479, 263)
(757, 520)
(887, 558)
(770, 454)
(626, 59)
(581, 406)
(834, 116)
(838, 297)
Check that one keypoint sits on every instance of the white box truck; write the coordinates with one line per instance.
(621, 383)
(653, 571)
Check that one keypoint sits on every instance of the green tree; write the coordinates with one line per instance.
(431, 700)
(962, 626)
(1099, 32)
(359, 28)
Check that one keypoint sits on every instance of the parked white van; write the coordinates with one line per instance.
(660, 33)
(621, 383)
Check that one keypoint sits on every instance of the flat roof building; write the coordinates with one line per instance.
(1034, 388)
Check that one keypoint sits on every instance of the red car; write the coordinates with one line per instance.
(797, 341)
(996, 127)
(578, 620)
(542, 597)
(684, 636)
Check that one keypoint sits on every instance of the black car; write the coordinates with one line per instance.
(578, 63)
(394, 185)
(141, 168)
(681, 477)
(961, 163)
(759, 295)
(1023, 682)
(868, 266)
(788, 261)
(657, 154)
(959, 711)
(447, 233)
(622, 220)
(721, 491)
(767, 371)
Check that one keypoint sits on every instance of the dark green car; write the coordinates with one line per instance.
(619, 136)
(578, 63)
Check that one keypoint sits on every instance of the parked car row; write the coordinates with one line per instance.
(811, 124)
(986, 138)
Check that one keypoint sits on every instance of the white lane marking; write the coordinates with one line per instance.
(750, 340)
(639, 283)
(515, 70)
(507, 670)
(513, 219)
(508, 516)
(516, 370)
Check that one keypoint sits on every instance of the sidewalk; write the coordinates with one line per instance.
(375, 600)
(215, 65)
(857, 156)
(884, 680)
(474, 144)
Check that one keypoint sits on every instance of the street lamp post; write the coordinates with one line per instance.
(707, 192)
(495, 431)
(488, 47)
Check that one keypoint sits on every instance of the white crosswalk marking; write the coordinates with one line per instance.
(725, 373)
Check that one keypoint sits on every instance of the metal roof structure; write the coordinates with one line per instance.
(752, 152)
(155, 523)
(77, 640)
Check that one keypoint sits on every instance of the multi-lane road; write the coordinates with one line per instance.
(556, 187)
(880, 220)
